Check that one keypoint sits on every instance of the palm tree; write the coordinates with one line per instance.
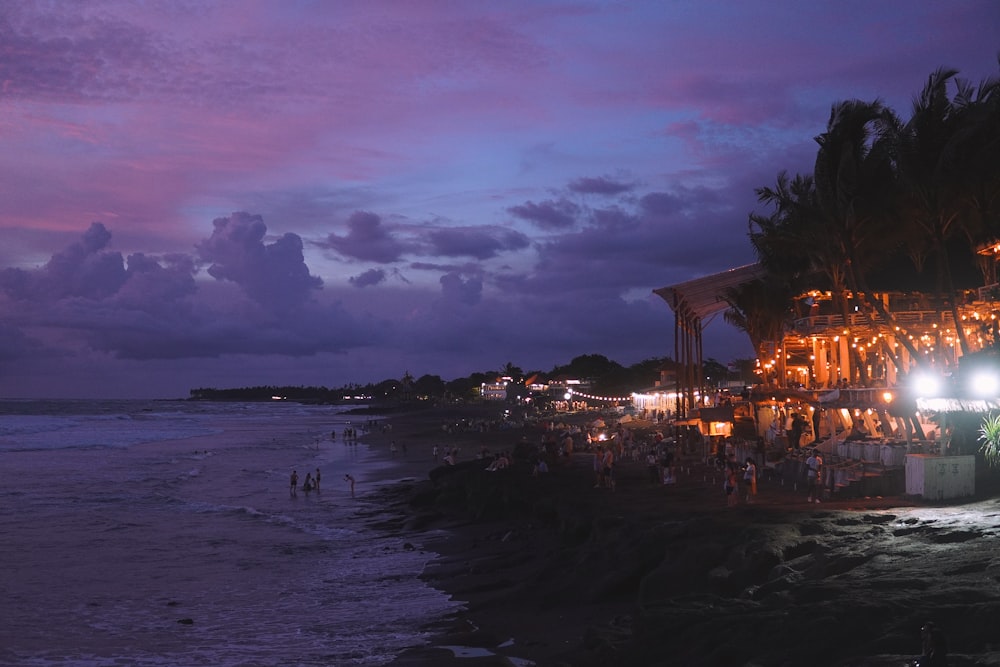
(512, 371)
(978, 155)
(761, 309)
(798, 244)
(934, 184)
(854, 177)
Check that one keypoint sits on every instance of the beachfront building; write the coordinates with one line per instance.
(496, 390)
(821, 349)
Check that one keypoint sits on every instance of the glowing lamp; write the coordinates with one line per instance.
(984, 384)
(926, 385)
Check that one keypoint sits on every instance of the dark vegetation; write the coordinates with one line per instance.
(603, 375)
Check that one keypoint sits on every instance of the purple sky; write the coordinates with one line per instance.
(317, 193)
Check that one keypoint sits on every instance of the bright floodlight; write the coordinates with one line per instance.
(926, 385)
(568, 395)
(984, 384)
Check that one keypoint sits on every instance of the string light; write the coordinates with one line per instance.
(613, 399)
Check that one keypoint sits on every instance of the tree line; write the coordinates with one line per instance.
(604, 376)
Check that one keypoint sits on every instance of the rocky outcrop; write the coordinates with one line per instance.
(703, 585)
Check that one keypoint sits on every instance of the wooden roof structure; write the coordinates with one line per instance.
(697, 299)
(693, 302)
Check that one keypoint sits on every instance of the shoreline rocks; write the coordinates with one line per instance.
(663, 575)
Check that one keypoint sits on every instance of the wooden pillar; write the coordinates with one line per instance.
(678, 404)
(821, 372)
(700, 368)
(845, 358)
(890, 368)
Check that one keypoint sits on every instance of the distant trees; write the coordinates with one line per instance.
(606, 376)
(429, 385)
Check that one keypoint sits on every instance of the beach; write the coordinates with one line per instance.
(152, 536)
(553, 571)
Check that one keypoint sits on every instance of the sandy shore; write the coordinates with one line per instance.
(556, 572)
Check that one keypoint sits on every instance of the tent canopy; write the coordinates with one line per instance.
(701, 297)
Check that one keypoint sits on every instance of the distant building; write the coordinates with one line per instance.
(496, 390)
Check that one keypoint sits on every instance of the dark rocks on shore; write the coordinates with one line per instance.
(687, 582)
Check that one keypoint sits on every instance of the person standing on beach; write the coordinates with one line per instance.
(316, 480)
(934, 646)
(813, 465)
(294, 481)
(750, 479)
(392, 447)
(732, 485)
(795, 432)
(350, 480)
(435, 452)
(607, 467)
(653, 468)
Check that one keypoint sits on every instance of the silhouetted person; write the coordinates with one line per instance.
(795, 432)
(934, 646)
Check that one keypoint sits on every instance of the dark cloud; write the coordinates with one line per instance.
(662, 238)
(477, 242)
(614, 220)
(600, 186)
(660, 203)
(368, 278)
(367, 239)
(216, 326)
(14, 344)
(454, 288)
(548, 214)
(82, 270)
(274, 275)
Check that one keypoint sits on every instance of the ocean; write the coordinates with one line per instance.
(140, 533)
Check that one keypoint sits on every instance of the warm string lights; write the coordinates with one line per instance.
(821, 358)
(610, 399)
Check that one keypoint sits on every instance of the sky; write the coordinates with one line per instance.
(226, 194)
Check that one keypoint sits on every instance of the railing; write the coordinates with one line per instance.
(817, 323)
(989, 292)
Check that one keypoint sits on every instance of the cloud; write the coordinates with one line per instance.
(153, 283)
(81, 270)
(548, 214)
(58, 56)
(368, 278)
(477, 242)
(367, 239)
(454, 288)
(274, 275)
(602, 185)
